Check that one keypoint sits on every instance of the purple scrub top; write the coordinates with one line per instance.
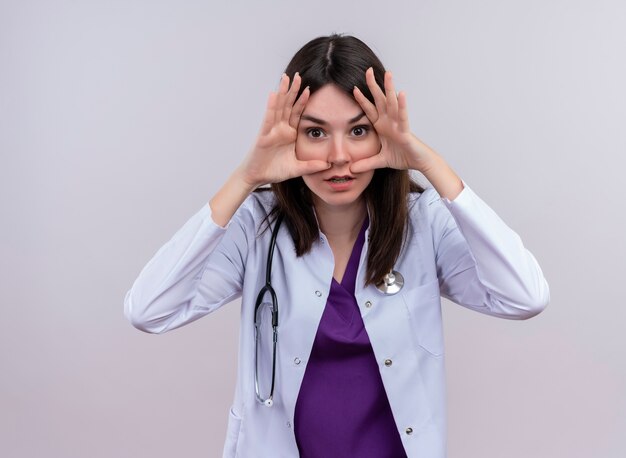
(342, 408)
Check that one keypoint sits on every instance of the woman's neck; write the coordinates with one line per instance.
(341, 224)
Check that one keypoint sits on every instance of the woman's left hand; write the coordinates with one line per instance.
(400, 149)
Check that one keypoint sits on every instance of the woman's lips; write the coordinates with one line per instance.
(340, 179)
(340, 183)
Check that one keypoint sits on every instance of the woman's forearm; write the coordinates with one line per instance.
(443, 178)
(435, 168)
(229, 198)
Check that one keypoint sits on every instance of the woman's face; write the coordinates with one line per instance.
(333, 128)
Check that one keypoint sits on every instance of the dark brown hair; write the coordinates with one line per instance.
(342, 61)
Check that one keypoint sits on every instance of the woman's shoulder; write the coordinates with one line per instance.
(258, 205)
(420, 201)
(426, 211)
(263, 197)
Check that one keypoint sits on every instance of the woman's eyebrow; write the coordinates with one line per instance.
(313, 119)
(356, 118)
(323, 123)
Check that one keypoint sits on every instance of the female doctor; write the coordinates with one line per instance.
(342, 355)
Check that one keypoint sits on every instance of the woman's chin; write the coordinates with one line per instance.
(337, 199)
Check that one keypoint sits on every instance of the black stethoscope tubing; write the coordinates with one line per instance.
(267, 288)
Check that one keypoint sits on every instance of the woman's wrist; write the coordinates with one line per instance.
(422, 157)
(244, 179)
(230, 197)
(442, 177)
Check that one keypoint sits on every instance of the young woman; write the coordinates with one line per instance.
(342, 355)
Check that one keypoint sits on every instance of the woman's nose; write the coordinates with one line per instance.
(338, 154)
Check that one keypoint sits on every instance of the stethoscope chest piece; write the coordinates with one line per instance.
(392, 283)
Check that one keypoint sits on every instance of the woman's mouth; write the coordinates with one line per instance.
(340, 183)
(340, 179)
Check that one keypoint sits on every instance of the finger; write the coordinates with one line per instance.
(283, 87)
(377, 92)
(291, 96)
(270, 114)
(369, 163)
(309, 167)
(392, 98)
(368, 107)
(298, 107)
(403, 112)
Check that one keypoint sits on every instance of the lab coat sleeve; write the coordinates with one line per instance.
(482, 264)
(197, 271)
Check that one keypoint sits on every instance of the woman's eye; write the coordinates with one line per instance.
(315, 132)
(359, 131)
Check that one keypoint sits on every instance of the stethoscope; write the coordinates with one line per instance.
(392, 283)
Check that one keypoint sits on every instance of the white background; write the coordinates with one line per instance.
(120, 119)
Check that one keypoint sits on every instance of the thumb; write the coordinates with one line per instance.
(309, 167)
(369, 163)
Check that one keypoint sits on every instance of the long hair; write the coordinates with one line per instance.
(342, 61)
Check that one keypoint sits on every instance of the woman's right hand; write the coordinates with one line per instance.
(273, 156)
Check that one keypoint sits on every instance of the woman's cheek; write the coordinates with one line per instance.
(369, 148)
(372, 145)
(306, 151)
(301, 150)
